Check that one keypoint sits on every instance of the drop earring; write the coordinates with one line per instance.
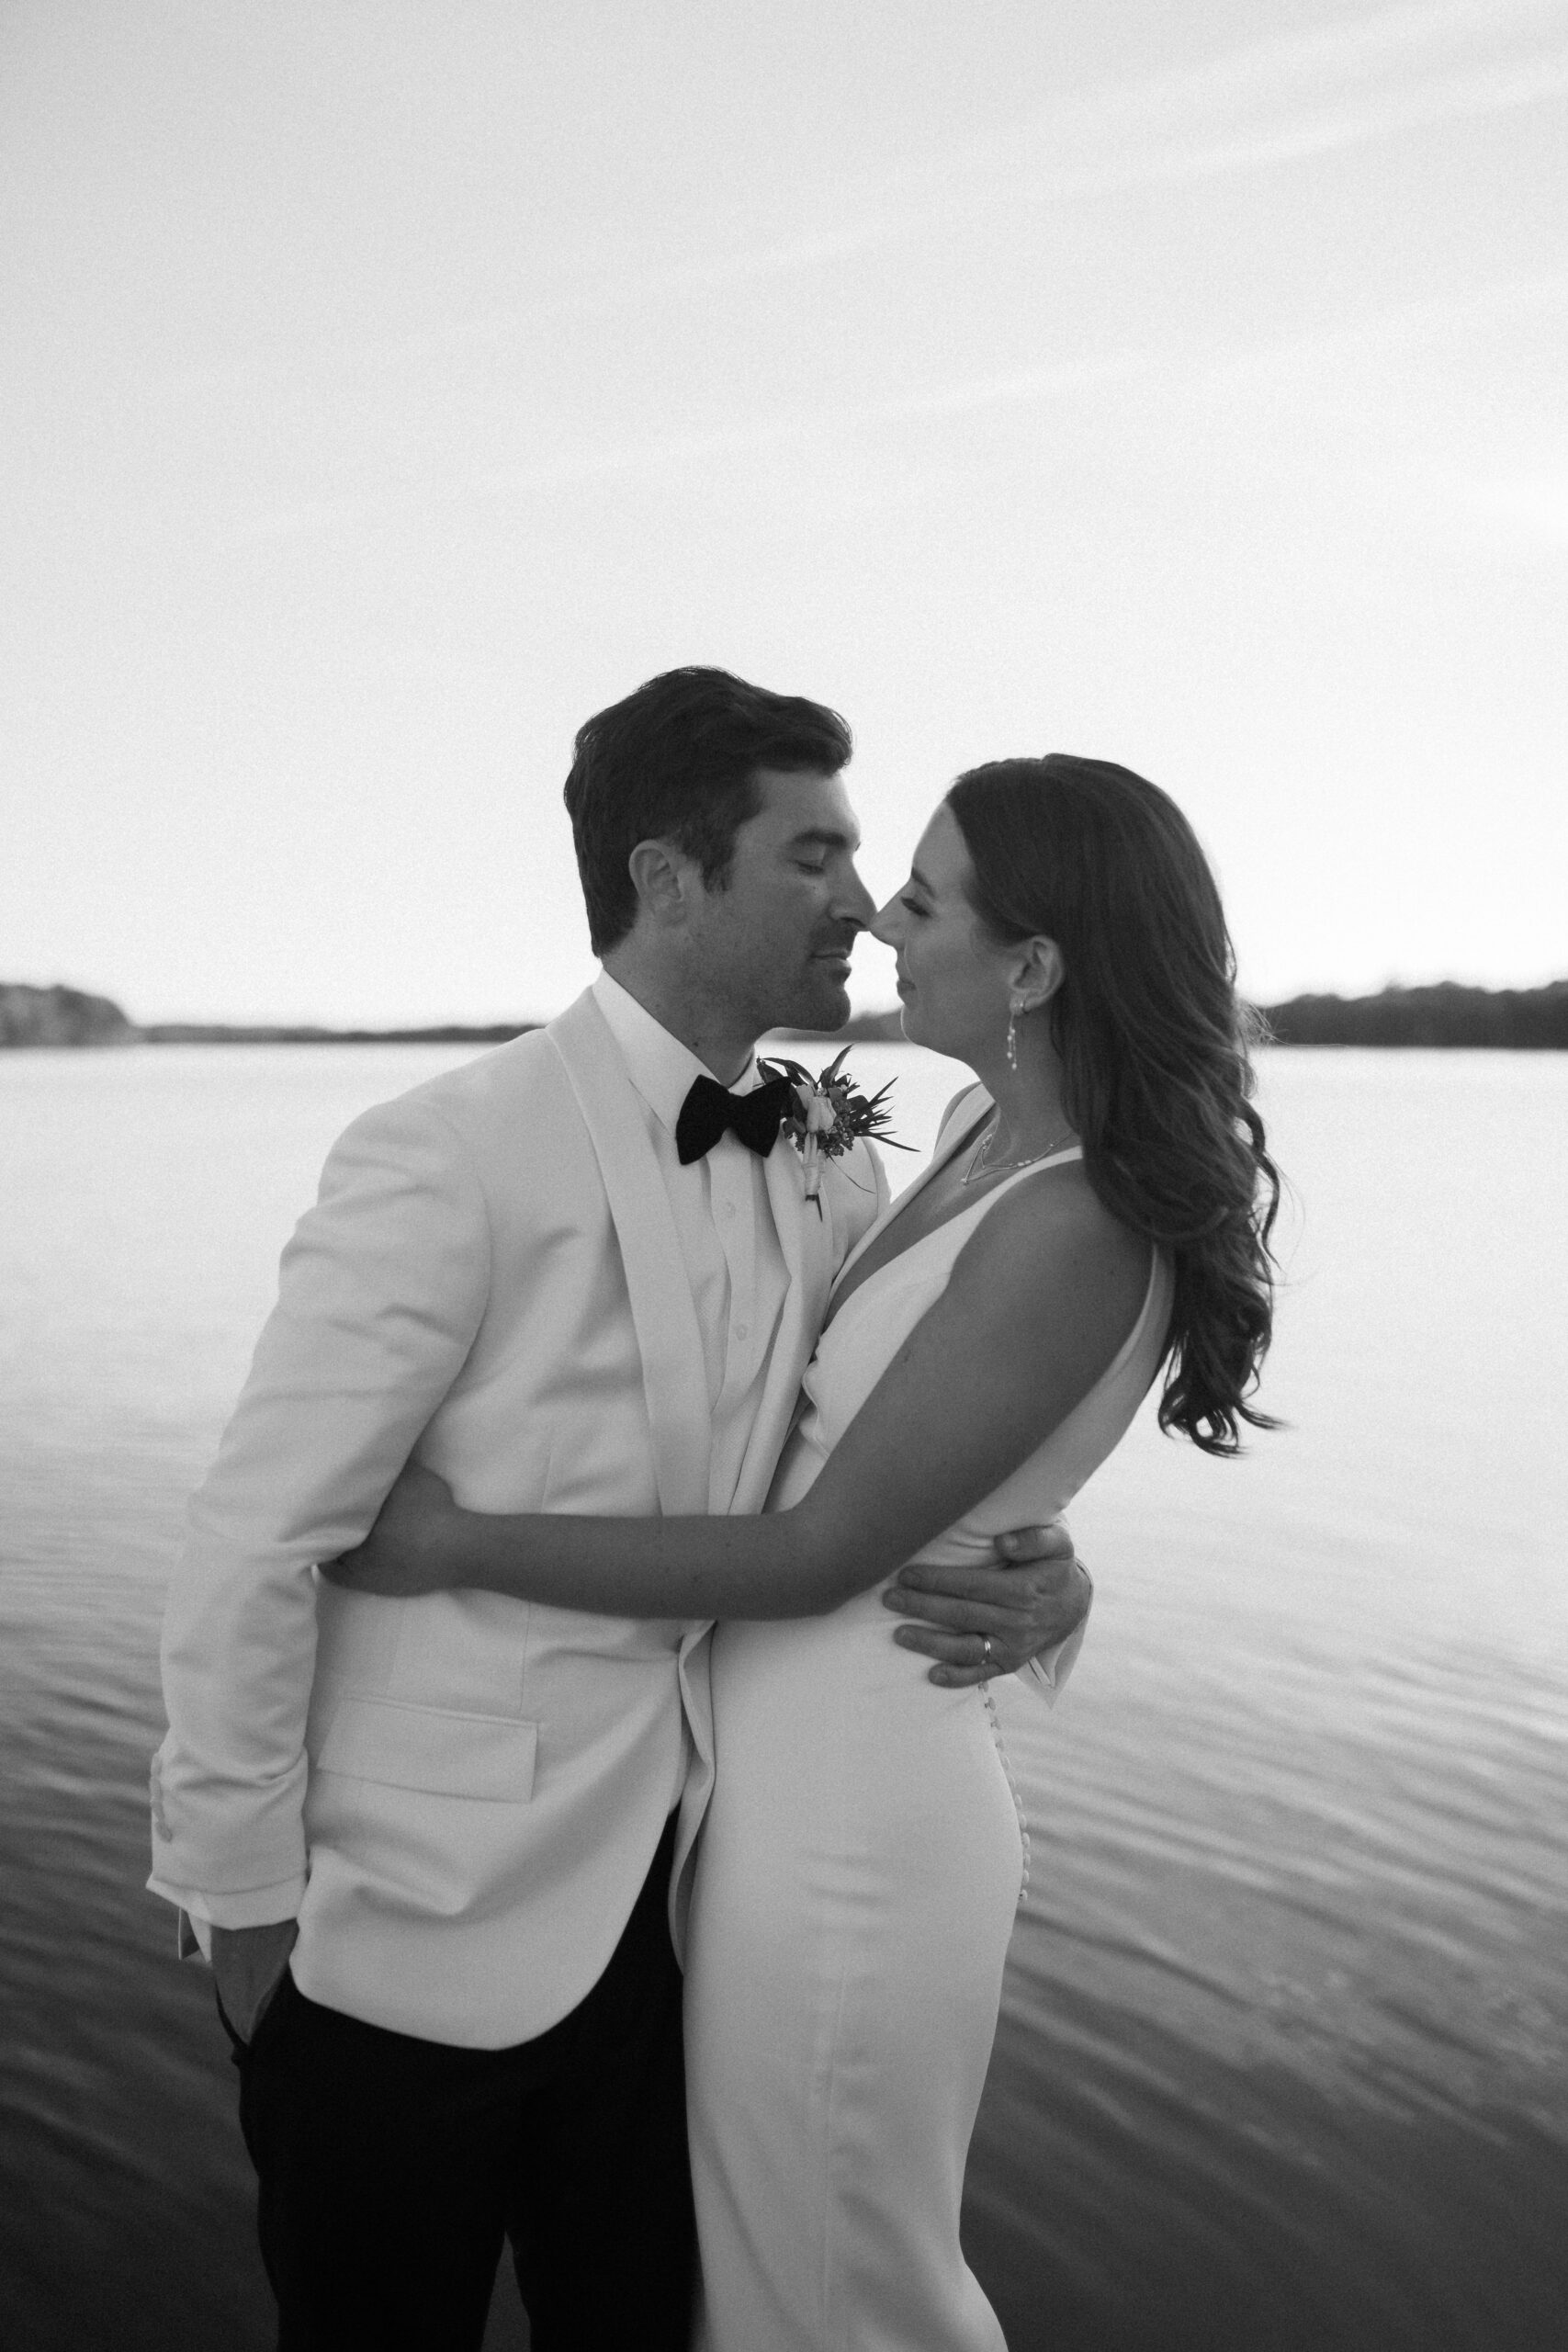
(1012, 1037)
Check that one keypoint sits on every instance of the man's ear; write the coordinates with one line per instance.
(1037, 973)
(663, 879)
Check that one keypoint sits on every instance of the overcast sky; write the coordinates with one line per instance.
(386, 387)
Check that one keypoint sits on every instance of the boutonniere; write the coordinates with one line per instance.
(827, 1113)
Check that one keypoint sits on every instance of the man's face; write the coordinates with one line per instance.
(774, 941)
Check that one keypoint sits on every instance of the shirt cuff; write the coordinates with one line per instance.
(256, 1906)
(1046, 1673)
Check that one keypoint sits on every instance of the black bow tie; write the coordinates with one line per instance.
(710, 1108)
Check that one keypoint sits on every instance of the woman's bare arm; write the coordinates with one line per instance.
(1039, 1301)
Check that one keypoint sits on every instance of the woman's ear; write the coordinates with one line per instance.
(1037, 973)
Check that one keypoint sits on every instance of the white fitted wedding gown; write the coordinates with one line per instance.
(859, 1868)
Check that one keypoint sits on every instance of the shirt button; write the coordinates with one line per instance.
(740, 1330)
(728, 1209)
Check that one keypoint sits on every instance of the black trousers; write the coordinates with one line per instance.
(392, 2169)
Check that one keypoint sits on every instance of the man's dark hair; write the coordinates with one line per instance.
(675, 762)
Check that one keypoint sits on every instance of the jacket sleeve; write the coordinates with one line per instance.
(381, 1292)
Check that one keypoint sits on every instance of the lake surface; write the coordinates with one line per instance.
(1283, 2060)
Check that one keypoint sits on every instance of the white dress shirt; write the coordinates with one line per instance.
(724, 1221)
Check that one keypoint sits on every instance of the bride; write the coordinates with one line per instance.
(1097, 1207)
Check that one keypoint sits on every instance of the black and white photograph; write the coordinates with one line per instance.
(783, 1114)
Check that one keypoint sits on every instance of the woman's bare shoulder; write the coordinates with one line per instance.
(1050, 1236)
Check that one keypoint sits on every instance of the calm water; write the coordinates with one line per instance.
(1284, 2056)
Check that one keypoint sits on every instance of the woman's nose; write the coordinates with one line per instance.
(884, 924)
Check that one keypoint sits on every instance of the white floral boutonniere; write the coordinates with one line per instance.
(828, 1113)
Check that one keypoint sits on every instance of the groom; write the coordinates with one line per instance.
(434, 1847)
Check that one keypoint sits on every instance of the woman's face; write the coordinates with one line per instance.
(952, 976)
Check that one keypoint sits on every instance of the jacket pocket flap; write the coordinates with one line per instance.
(432, 1748)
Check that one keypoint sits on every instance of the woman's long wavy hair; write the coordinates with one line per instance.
(1154, 1047)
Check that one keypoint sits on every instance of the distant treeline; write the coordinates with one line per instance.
(1445, 1014)
(32, 1016)
(215, 1032)
(63, 1016)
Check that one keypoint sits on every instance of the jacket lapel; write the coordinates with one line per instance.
(806, 1241)
(673, 1378)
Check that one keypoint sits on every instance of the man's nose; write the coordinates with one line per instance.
(853, 902)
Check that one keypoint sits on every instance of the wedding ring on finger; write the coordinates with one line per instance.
(985, 1649)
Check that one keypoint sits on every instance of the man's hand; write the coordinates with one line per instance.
(978, 1623)
(248, 1964)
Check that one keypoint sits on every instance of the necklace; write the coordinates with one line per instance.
(980, 1165)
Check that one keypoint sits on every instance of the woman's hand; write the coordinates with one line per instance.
(411, 1548)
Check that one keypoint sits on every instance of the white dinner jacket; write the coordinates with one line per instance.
(459, 1795)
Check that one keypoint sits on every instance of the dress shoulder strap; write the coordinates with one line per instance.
(963, 1112)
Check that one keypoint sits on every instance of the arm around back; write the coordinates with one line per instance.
(1039, 1301)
